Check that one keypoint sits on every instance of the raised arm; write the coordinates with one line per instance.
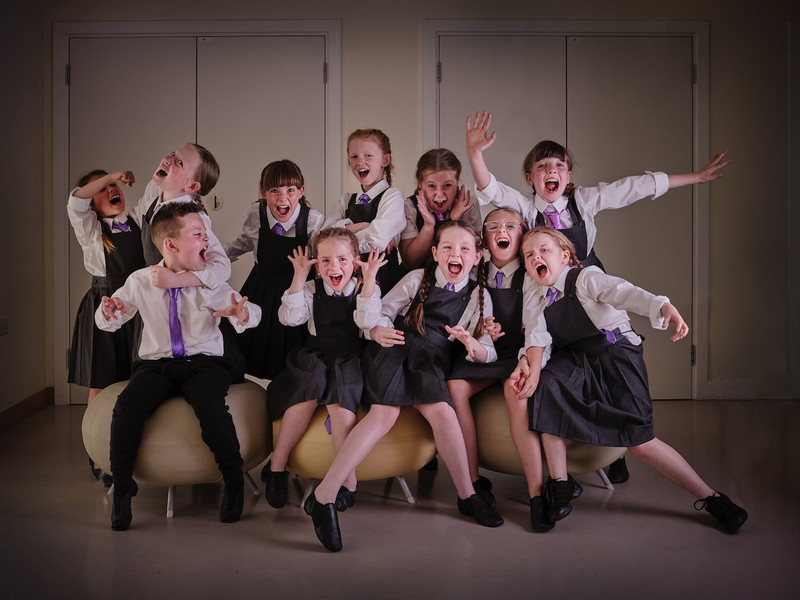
(478, 140)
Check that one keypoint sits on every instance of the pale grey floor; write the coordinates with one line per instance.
(643, 540)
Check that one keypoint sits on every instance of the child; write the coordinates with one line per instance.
(438, 198)
(112, 250)
(279, 222)
(502, 233)
(376, 214)
(327, 370)
(594, 388)
(181, 353)
(406, 366)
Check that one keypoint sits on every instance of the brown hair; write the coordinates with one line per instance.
(281, 173)
(168, 222)
(438, 159)
(559, 238)
(513, 212)
(548, 149)
(108, 245)
(207, 172)
(415, 318)
(337, 233)
(380, 138)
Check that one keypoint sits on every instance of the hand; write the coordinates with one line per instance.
(302, 262)
(478, 139)
(424, 211)
(493, 328)
(112, 305)
(461, 204)
(163, 278)
(236, 309)
(369, 267)
(462, 335)
(712, 168)
(124, 177)
(670, 314)
(387, 336)
(523, 382)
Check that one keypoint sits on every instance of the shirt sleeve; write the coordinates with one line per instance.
(387, 225)
(594, 285)
(220, 298)
(248, 237)
(410, 209)
(218, 266)
(533, 320)
(88, 232)
(620, 193)
(336, 217)
(469, 320)
(295, 309)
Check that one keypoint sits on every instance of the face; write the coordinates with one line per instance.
(175, 173)
(190, 247)
(335, 262)
(544, 259)
(549, 177)
(108, 202)
(439, 189)
(282, 201)
(367, 162)
(502, 233)
(456, 253)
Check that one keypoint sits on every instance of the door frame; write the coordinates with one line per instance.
(436, 29)
(63, 32)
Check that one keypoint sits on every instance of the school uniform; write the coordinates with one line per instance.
(577, 213)
(594, 388)
(386, 217)
(99, 358)
(415, 372)
(202, 376)
(265, 347)
(328, 366)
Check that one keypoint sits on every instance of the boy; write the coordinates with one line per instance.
(181, 352)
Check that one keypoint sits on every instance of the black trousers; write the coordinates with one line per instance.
(203, 381)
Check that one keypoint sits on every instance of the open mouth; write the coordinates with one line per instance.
(438, 205)
(335, 280)
(503, 243)
(541, 270)
(551, 185)
(282, 210)
(454, 269)
(362, 173)
(161, 172)
(203, 255)
(115, 200)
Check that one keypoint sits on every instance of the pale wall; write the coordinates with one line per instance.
(382, 49)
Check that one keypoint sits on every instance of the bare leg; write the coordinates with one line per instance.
(668, 462)
(342, 423)
(293, 425)
(449, 443)
(526, 441)
(367, 432)
(461, 391)
(555, 450)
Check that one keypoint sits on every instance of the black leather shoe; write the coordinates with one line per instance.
(121, 515)
(276, 486)
(557, 495)
(100, 475)
(326, 522)
(577, 488)
(539, 520)
(476, 507)
(483, 487)
(724, 510)
(618, 471)
(345, 499)
(232, 502)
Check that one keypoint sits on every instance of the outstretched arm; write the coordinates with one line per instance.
(671, 315)
(709, 172)
(478, 140)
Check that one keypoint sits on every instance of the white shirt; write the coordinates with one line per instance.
(605, 299)
(590, 201)
(376, 311)
(89, 232)
(508, 273)
(472, 217)
(298, 308)
(387, 225)
(248, 238)
(196, 305)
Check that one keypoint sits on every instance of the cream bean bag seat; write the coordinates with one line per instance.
(172, 451)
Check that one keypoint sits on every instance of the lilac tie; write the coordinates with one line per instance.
(554, 216)
(278, 229)
(450, 287)
(551, 295)
(175, 335)
(439, 216)
(120, 226)
(498, 279)
(363, 199)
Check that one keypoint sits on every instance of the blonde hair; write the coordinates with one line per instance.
(559, 238)
(380, 138)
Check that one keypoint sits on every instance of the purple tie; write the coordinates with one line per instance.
(175, 335)
(278, 229)
(554, 216)
(439, 216)
(551, 294)
(498, 279)
(120, 226)
(363, 199)
(450, 287)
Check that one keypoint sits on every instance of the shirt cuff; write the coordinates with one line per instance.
(656, 320)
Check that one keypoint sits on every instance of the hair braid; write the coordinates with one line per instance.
(416, 317)
(482, 274)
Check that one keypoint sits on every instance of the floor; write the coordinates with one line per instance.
(641, 540)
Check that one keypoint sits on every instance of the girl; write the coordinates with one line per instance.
(327, 369)
(406, 366)
(375, 214)
(594, 388)
(112, 250)
(438, 198)
(502, 233)
(281, 221)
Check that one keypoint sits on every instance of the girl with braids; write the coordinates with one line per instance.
(112, 250)
(281, 221)
(375, 213)
(414, 329)
(326, 371)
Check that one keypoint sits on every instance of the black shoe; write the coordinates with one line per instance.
(557, 495)
(100, 475)
(618, 471)
(232, 502)
(726, 512)
(326, 522)
(478, 508)
(483, 487)
(121, 515)
(276, 486)
(344, 499)
(539, 520)
(577, 488)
